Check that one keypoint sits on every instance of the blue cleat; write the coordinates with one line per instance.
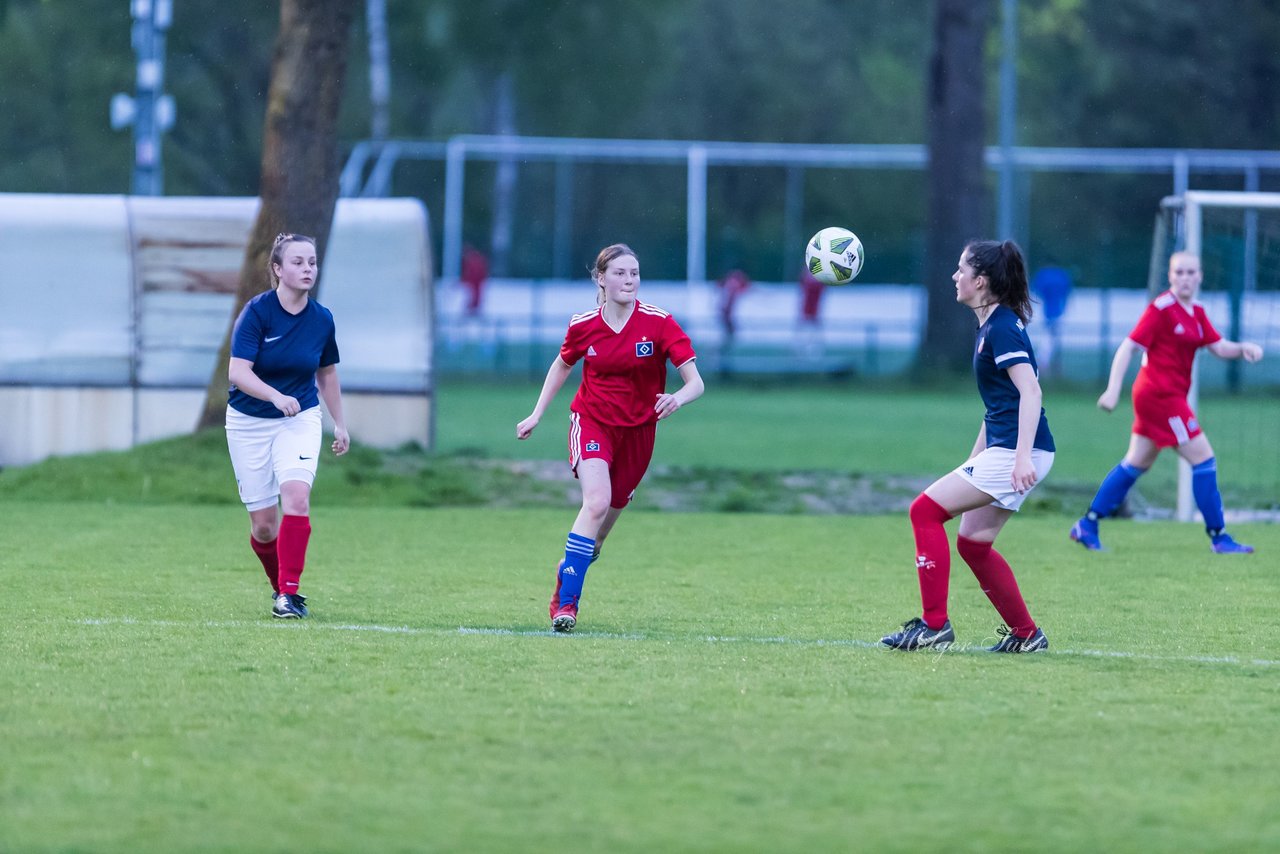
(1085, 533)
(1224, 545)
(1009, 642)
(916, 634)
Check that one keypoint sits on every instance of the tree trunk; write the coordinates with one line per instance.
(958, 192)
(300, 168)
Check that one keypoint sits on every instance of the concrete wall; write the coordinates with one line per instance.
(43, 421)
(112, 310)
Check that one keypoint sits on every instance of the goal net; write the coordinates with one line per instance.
(1237, 236)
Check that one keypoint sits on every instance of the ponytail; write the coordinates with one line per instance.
(1006, 272)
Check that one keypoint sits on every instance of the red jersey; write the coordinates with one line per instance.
(1171, 335)
(624, 372)
(733, 285)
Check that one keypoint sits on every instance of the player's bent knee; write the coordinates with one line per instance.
(925, 509)
(971, 550)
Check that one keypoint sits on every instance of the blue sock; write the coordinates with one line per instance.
(1204, 487)
(1115, 486)
(573, 570)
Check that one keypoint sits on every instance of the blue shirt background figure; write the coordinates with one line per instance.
(1052, 284)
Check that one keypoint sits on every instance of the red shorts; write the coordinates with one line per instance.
(627, 450)
(1166, 420)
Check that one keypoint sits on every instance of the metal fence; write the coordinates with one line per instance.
(864, 330)
(374, 169)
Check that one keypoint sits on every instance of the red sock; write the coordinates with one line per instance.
(998, 583)
(266, 553)
(295, 531)
(933, 557)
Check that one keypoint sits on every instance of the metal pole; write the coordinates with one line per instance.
(1248, 281)
(792, 219)
(562, 240)
(455, 167)
(1185, 511)
(1008, 113)
(152, 109)
(379, 70)
(1181, 174)
(696, 258)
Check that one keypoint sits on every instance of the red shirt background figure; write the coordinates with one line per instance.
(811, 291)
(475, 272)
(734, 284)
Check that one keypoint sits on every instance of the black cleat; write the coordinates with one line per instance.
(1009, 642)
(289, 606)
(916, 634)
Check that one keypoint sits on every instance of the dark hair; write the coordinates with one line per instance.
(1001, 262)
(282, 240)
(608, 254)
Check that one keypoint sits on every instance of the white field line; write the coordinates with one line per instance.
(846, 643)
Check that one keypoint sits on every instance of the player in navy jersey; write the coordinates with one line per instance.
(624, 346)
(1170, 331)
(284, 358)
(1014, 451)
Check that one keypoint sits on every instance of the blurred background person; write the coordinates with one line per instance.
(1052, 284)
(472, 327)
(475, 272)
(809, 330)
(732, 285)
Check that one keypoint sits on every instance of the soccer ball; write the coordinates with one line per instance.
(834, 256)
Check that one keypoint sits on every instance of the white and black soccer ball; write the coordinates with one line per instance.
(834, 256)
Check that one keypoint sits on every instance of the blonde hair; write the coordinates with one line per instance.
(282, 240)
(608, 254)
(1183, 254)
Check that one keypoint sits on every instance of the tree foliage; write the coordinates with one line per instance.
(1091, 73)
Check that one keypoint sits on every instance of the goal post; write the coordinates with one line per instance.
(1237, 237)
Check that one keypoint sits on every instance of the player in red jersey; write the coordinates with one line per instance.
(1170, 331)
(624, 345)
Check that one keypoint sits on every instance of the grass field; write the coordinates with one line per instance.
(872, 431)
(724, 690)
(728, 700)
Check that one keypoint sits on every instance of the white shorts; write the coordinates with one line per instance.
(992, 472)
(266, 452)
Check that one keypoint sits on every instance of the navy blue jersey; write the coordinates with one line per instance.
(1003, 343)
(286, 351)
